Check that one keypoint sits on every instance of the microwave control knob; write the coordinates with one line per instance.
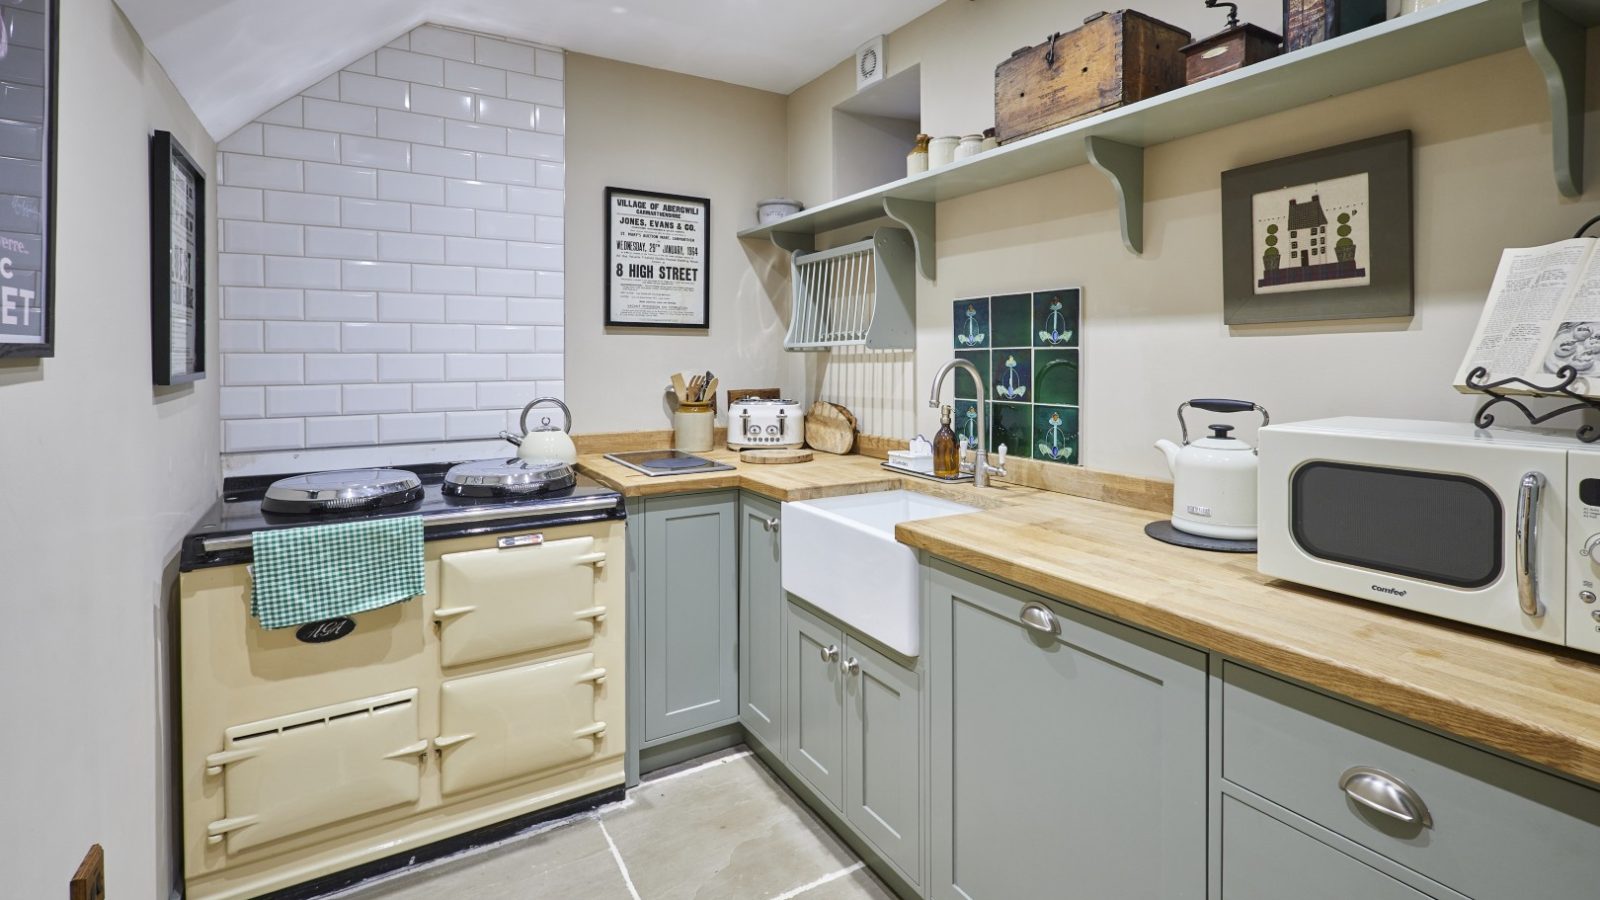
(1591, 547)
(1586, 596)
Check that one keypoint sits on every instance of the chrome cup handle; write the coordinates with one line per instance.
(1385, 794)
(1038, 618)
(1527, 562)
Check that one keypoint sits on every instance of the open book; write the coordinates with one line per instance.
(1543, 313)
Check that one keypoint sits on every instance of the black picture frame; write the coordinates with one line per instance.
(612, 320)
(166, 154)
(1386, 161)
(27, 248)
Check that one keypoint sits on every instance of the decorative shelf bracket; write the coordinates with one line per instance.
(1558, 45)
(920, 218)
(1124, 165)
(792, 241)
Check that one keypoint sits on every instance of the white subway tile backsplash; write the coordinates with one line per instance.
(407, 187)
(465, 251)
(443, 220)
(444, 279)
(242, 170)
(443, 338)
(551, 339)
(239, 203)
(508, 282)
(535, 366)
(552, 285)
(375, 152)
(341, 368)
(413, 67)
(412, 248)
(551, 230)
(300, 209)
(366, 337)
(326, 89)
(461, 426)
(506, 169)
(550, 64)
(479, 138)
(342, 306)
(403, 42)
(262, 303)
(342, 431)
(474, 194)
(411, 428)
(240, 270)
(303, 400)
(508, 226)
(285, 113)
(535, 200)
(507, 394)
(434, 101)
(442, 42)
(302, 272)
(342, 181)
(534, 311)
(377, 398)
(443, 395)
(245, 140)
(533, 89)
(262, 368)
(262, 237)
(553, 175)
(370, 91)
(510, 113)
(363, 66)
(404, 126)
(243, 402)
(506, 55)
(507, 339)
(474, 367)
(410, 367)
(551, 120)
(255, 435)
(361, 275)
(239, 336)
(342, 243)
(300, 143)
(411, 307)
(463, 76)
(441, 161)
(548, 257)
(381, 215)
(344, 118)
(474, 309)
(537, 146)
(556, 389)
(303, 337)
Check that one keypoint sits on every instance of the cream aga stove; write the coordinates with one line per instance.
(345, 746)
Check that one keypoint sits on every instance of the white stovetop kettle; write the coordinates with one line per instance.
(1214, 478)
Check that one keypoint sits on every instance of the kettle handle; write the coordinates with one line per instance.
(1219, 406)
(523, 423)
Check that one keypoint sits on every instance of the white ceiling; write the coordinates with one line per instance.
(235, 59)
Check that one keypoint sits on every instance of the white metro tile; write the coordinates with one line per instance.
(403, 42)
(461, 425)
(239, 337)
(418, 248)
(470, 136)
(552, 285)
(507, 339)
(506, 55)
(442, 42)
(245, 140)
(507, 394)
(342, 306)
(534, 366)
(411, 307)
(261, 237)
(285, 113)
(551, 64)
(300, 272)
(475, 310)
(475, 367)
(551, 338)
(444, 395)
(238, 203)
(474, 194)
(240, 270)
(373, 336)
(342, 431)
(239, 170)
(365, 89)
(376, 214)
(303, 400)
(535, 200)
(551, 120)
(341, 243)
(345, 181)
(410, 367)
(298, 143)
(533, 89)
(300, 209)
(463, 76)
(414, 67)
(252, 435)
(303, 337)
(509, 226)
(377, 398)
(243, 402)
(465, 251)
(444, 279)
(404, 126)
(556, 389)
(361, 275)
(551, 230)
(506, 169)
(363, 66)
(441, 161)
(346, 118)
(443, 220)
(510, 113)
(442, 339)
(508, 282)
(548, 257)
(341, 368)
(537, 146)
(434, 101)
(410, 188)
(553, 175)
(326, 89)
(262, 303)
(412, 428)
(261, 368)
(375, 152)
(534, 311)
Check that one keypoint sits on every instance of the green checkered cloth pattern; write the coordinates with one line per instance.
(318, 572)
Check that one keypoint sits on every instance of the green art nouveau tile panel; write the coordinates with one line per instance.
(1029, 348)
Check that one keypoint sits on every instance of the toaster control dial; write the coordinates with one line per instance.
(1591, 547)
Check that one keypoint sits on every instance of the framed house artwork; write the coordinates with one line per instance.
(177, 263)
(1320, 236)
(28, 49)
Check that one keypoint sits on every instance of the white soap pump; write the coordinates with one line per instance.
(1214, 478)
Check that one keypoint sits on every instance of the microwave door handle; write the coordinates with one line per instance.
(1528, 497)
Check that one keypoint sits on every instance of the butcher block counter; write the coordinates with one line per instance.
(1533, 701)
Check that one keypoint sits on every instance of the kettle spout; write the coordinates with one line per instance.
(1171, 451)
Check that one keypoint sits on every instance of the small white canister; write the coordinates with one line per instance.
(769, 211)
(917, 159)
(942, 151)
(971, 145)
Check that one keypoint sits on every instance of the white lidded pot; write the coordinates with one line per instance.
(546, 442)
(1214, 478)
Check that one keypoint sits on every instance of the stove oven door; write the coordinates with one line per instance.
(521, 599)
(295, 773)
(518, 722)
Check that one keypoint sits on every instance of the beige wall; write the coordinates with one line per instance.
(102, 476)
(1153, 327)
(630, 126)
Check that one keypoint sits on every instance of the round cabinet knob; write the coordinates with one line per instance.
(852, 666)
(830, 653)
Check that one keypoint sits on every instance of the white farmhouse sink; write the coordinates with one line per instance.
(840, 555)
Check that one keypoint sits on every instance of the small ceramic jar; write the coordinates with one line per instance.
(942, 151)
(917, 159)
(692, 428)
(970, 146)
(990, 142)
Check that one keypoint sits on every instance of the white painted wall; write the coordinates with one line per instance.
(100, 477)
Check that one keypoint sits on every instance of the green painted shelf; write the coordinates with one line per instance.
(1452, 32)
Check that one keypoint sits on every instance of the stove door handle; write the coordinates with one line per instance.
(597, 613)
(450, 612)
(597, 558)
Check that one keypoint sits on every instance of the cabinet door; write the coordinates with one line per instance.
(813, 740)
(1264, 859)
(1069, 753)
(883, 755)
(691, 613)
(761, 603)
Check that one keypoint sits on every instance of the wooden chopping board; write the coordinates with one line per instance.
(774, 457)
(830, 428)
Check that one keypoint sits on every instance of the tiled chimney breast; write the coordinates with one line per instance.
(392, 249)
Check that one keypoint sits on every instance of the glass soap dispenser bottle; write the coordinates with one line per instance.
(946, 455)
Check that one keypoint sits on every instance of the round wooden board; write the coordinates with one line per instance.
(830, 428)
(774, 457)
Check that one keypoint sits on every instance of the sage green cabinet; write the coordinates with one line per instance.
(690, 586)
(1264, 859)
(813, 739)
(1069, 752)
(761, 612)
(883, 770)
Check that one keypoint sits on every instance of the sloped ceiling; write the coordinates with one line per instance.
(235, 59)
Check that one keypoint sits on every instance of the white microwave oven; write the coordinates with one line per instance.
(1499, 529)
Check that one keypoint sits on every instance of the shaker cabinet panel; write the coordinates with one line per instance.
(1264, 859)
(813, 743)
(691, 612)
(883, 756)
(1067, 749)
(498, 602)
(761, 608)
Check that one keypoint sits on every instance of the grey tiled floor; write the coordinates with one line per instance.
(722, 828)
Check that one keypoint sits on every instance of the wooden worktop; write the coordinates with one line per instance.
(1526, 699)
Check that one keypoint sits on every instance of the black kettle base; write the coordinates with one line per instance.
(1164, 532)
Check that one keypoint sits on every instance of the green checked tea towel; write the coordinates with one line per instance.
(320, 572)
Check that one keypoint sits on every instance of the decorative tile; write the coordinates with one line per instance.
(1055, 318)
(1011, 424)
(965, 389)
(966, 421)
(1055, 377)
(1011, 375)
(1011, 318)
(972, 323)
(1055, 433)
(1027, 345)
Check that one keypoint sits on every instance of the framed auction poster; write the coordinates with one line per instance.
(658, 260)
(177, 263)
(27, 178)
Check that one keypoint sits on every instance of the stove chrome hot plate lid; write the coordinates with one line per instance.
(507, 478)
(346, 489)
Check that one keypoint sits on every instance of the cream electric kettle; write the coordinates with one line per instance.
(1214, 478)
(547, 442)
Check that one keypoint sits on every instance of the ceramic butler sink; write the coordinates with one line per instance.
(840, 555)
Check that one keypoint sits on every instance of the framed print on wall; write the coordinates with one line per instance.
(27, 179)
(658, 260)
(177, 263)
(1319, 236)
